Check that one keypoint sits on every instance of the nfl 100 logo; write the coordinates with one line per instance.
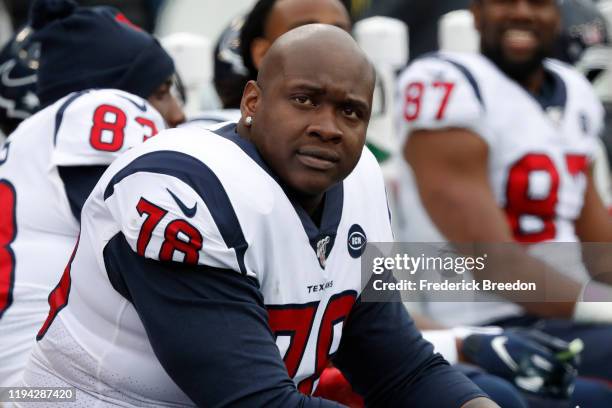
(357, 241)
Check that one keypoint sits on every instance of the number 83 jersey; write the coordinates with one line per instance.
(37, 226)
(540, 148)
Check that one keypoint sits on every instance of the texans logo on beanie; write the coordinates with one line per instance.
(94, 47)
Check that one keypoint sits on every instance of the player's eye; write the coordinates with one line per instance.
(163, 90)
(351, 113)
(303, 99)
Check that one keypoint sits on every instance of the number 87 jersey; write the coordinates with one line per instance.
(38, 224)
(539, 149)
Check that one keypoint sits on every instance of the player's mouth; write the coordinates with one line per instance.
(317, 158)
(519, 41)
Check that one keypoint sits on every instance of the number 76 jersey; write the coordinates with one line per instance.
(539, 148)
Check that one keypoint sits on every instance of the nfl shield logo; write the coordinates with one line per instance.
(322, 250)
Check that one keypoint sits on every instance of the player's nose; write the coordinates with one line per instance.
(522, 10)
(175, 114)
(325, 124)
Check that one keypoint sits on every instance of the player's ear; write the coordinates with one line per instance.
(259, 47)
(250, 99)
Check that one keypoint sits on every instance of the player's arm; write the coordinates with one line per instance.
(447, 147)
(91, 129)
(208, 328)
(385, 358)
(594, 228)
(79, 182)
(450, 166)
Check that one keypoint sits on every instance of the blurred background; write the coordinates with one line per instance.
(201, 36)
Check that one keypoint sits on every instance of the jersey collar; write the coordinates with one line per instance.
(554, 91)
(321, 238)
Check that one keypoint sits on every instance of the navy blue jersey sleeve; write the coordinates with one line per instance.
(209, 329)
(79, 181)
(386, 360)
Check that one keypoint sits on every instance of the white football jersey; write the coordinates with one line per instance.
(539, 152)
(37, 227)
(234, 215)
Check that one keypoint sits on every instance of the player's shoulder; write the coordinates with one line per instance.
(367, 166)
(575, 82)
(207, 160)
(366, 178)
(93, 127)
(443, 90)
(447, 65)
(200, 185)
(567, 72)
(579, 92)
(92, 98)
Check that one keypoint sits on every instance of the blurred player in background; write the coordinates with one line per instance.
(104, 86)
(501, 146)
(221, 260)
(245, 41)
(269, 19)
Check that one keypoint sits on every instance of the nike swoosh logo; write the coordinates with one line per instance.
(4, 152)
(142, 107)
(499, 346)
(189, 212)
(9, 82)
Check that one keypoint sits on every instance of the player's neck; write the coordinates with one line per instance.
(534, 82)
(313, 205)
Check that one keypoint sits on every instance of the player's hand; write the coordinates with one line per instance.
(535, 362)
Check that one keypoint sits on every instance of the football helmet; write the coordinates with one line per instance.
(230, 75)
(18, 64)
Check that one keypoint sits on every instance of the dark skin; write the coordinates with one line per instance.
(324, 101)
(167, 104)
(451, 165)
(310, 111)
(519, 33)
(288, 14)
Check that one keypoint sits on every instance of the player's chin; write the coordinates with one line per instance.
(313, 182)
(521, 58)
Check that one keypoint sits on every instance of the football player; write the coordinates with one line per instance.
(500, 144)
(104, 86)
(269, 19)
(245, 41)
(221, 268)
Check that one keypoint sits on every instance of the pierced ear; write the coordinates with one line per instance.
(250, 99)
(259, 47)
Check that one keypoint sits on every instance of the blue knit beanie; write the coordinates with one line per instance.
(94, 47)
